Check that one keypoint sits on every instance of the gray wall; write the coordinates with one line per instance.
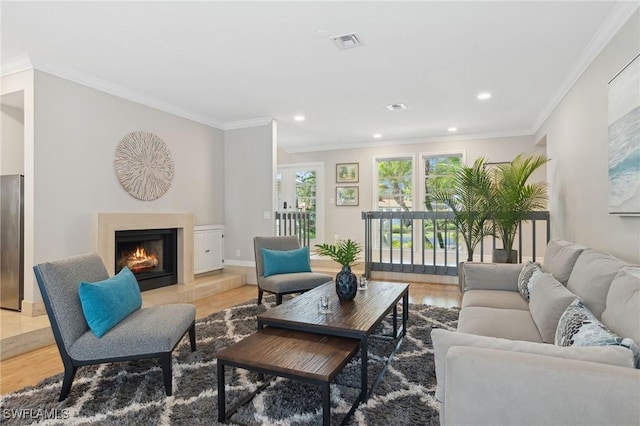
(77, 130)
(249, 174)
(577, 140)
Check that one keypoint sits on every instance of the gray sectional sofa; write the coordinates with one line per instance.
(514, 361)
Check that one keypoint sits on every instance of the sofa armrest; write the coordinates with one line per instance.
(490, 276)
(496, 387)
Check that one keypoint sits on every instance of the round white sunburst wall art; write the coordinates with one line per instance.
(144, 165)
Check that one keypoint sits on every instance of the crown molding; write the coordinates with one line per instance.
(24, 62)
(16, 64)
(610, 27)
(408, 141)
(242, 124)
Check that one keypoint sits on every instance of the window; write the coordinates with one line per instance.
(395, 184)
(438, 175)
(395, 193)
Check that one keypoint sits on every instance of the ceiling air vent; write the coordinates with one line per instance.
(396, 107)
(346, 41)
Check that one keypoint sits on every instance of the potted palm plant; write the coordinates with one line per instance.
(467, 197)
(344, 252)
(512, 198)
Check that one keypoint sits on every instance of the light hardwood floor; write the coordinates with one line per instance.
(31, 368)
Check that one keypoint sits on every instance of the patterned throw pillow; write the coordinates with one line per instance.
(579, 327)
(525, 281)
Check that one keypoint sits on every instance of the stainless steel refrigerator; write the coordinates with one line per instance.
(11, 241)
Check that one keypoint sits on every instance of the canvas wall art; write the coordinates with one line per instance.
(624, 140)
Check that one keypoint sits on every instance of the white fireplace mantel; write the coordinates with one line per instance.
(109, 223)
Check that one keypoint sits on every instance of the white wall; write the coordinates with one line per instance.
(577, 140)
(12, 138)
(346, 222)
(77, 130)
(249, 187)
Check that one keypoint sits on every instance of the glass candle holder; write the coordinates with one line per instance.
(362, 282)
(323, 305)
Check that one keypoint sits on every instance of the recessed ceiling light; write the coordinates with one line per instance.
(452, 129)
(396, 107)
(484, 95)
(377, 135)
(299, 118)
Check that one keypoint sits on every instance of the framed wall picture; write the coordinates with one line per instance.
(624, 140)
(347, 173)
(347, 196)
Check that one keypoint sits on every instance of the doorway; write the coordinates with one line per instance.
(300, 187)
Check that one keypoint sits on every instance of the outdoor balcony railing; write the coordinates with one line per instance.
(294, 223)
(427, 242)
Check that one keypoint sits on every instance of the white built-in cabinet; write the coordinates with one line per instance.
(209, 248)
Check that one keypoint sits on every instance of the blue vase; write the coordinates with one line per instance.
(346, 284)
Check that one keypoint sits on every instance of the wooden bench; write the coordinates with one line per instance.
(306, 357)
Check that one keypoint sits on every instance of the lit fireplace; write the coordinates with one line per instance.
(150, 254)
(139, 261)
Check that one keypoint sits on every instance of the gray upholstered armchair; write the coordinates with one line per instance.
(284, 283)
(146, 333)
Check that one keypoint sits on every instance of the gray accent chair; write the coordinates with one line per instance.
(280, 284)
(146, 333)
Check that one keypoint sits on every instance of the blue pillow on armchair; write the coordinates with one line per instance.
(106, 303)
(285, 261)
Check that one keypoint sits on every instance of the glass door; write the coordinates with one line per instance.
(300, 188)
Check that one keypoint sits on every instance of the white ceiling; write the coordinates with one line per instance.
(231, 63)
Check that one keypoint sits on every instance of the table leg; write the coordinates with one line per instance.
(364, 360)
(395, 321)
(405, 312)
(221, 397)
(326, 404)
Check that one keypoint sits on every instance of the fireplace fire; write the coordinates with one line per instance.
(151, 255)
(139, 261)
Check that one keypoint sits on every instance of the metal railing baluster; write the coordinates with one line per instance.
(414, 263)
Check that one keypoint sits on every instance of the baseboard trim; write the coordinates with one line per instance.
(33, 309)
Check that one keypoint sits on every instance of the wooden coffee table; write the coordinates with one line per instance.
(306, 357)
(356, 319)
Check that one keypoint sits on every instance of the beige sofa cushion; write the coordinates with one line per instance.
(444, 339)
(494, 299)
(591, 277)
(514, 324)
(549, 299)
(559, 258)
(622, 314)
(490, 276)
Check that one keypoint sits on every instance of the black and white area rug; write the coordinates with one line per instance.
(132, 393)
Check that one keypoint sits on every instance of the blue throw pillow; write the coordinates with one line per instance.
(285, 261)
(106, 303)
